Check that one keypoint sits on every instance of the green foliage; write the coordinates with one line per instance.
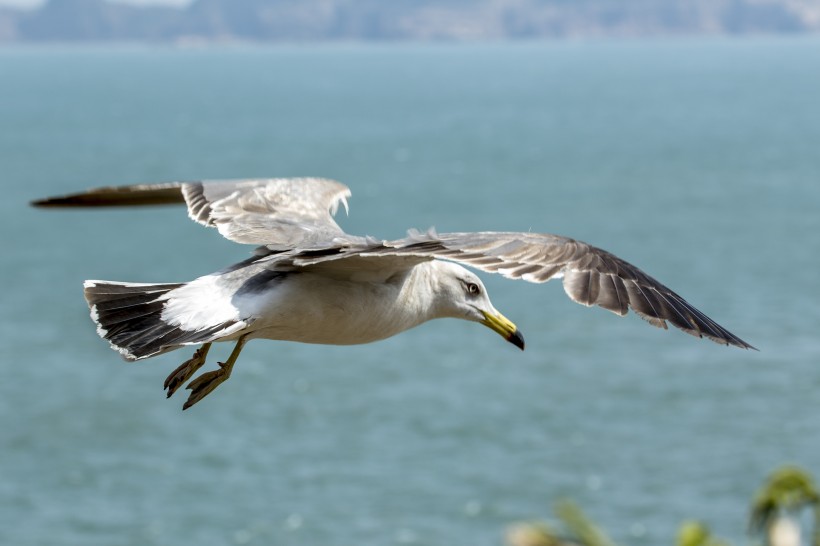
(696, 533)
(580, 526)
(578, 530)
(533, 534)
(788, 490)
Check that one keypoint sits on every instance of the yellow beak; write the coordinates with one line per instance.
(504, 327)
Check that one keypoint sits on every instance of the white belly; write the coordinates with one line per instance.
(310, 308)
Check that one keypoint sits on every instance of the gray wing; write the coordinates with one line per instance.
(592, 276)
(278, 212)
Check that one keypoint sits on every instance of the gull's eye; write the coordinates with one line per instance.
(473, 289)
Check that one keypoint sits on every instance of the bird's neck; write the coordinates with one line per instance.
(423, 291)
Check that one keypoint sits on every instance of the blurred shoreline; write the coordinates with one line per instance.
(224, 21)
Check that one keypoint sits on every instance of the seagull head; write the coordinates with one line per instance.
(461, 294)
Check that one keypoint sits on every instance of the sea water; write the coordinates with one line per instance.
(697, 160)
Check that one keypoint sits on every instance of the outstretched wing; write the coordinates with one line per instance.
(278, 212)
(591, 276)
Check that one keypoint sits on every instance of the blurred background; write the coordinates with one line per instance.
(308, 20)
(681, 135)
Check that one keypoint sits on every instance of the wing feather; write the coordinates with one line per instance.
(296, 215)
(169, 193)
(278, 212)
(591, 276)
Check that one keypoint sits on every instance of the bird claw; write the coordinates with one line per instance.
(203, 385)
(185, 371)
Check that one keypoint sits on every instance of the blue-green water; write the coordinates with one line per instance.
(697, 160)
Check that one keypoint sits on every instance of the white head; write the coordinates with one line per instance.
(459, 293)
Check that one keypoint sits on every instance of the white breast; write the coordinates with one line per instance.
(313, 308)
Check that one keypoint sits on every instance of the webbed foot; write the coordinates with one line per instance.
(186, 370)
(203, 385)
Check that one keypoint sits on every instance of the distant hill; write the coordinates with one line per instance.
(334, 20)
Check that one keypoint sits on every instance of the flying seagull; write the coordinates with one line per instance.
(309, 281)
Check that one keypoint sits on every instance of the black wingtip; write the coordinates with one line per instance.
(40, 203)
(737, 342)
(167, 193)
(58, 202)
(72, 200)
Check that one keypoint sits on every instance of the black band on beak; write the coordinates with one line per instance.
(517, 339)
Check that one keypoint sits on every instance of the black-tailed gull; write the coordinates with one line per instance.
(309, 281)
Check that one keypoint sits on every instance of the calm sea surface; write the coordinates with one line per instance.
(699, 161)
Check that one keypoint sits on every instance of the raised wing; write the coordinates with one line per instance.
(591, 276)
(278, 212)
